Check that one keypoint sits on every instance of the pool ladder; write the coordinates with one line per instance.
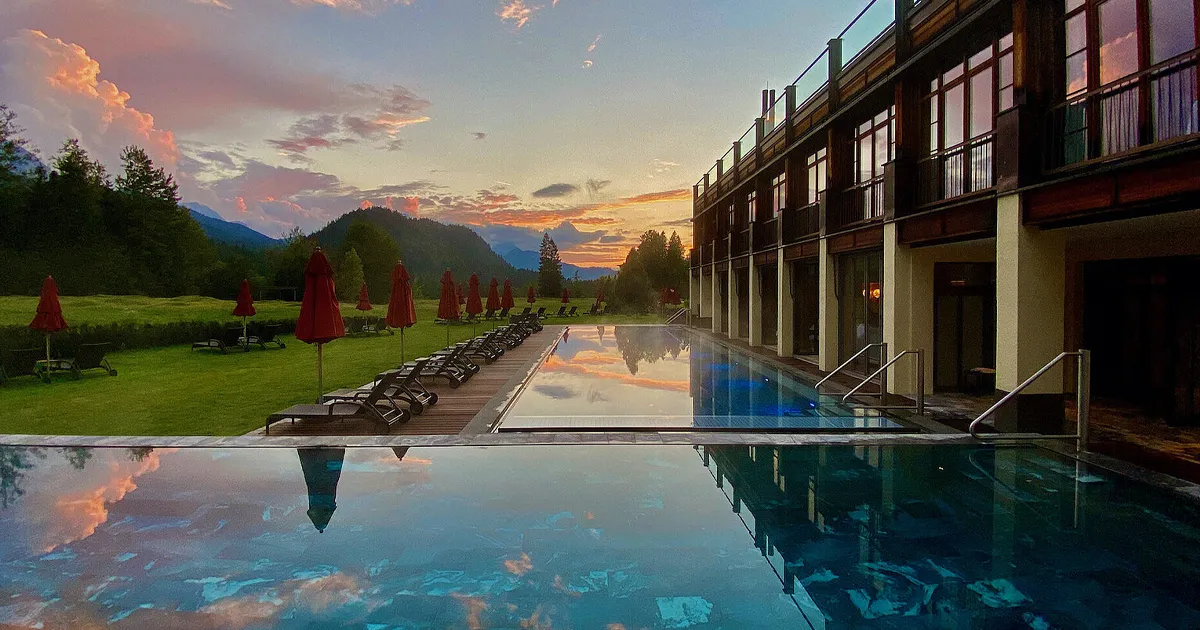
(1083, 403)
(883, 379)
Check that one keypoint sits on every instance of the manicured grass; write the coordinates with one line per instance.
(175, 391)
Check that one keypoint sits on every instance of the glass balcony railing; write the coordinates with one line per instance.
(748, 141)
(814, 79)
(777, 114)
(727, 162)
(872, 22)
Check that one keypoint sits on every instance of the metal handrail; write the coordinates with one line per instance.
(1083, 401)
(851, 360)
(920, 354)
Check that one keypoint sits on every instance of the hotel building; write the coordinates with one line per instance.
(991, 182)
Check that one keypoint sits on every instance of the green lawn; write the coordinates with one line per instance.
(175, 391)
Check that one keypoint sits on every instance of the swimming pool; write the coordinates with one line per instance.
(669, 378)
(589, 537)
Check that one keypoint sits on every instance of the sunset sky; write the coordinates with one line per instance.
(498, 114)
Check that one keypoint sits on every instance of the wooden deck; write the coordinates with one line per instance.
(455, 408)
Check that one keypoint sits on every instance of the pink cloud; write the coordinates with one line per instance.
(56, 90)
(517, 12)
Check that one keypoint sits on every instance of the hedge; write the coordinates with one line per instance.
(125, 336)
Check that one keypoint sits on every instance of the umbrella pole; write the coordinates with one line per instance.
(447, 334)
(401, 346)
(245, 337)
(320, 376)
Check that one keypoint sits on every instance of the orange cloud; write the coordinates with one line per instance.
(555, 364)
(520, 566)
(77, 515)
(517, 12)
(474, 608)
(56, 90)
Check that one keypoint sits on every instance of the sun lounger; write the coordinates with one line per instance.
(541, 313)
(562, 312)
(574, 312)
(402, 384)
(375, 406)
(528, 310)
(263, 334)
(230, 339)
(490, 314)
(593, 310)
(89, 356)
(14, 363)
(503, 314)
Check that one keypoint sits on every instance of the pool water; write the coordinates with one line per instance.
(589, 537)
(663, 378)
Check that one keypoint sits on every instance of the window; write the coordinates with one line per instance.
(1127, 37)
(751, 207)
(817, 167)
(732, 217)
(778, 194)
(874, 146)
(961, 106)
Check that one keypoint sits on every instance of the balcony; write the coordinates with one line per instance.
(965, 169)
(766, 235)
(722, 249)
(1155, 105)
(859, 204)
(801, 223)
(739, 242)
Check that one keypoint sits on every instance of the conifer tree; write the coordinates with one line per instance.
(550, 278)
(140, 177)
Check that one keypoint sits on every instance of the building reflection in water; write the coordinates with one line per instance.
(964, 537)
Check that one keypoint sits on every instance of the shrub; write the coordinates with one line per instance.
(125, 336)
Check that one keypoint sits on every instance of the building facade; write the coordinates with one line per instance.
(989, 181)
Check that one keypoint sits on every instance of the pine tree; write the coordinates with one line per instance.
(349, 276)
(678, 264)
(140, 177)
(10, 142)
(550, 278)
(73, 163)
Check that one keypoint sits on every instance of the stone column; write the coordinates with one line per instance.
(756, 305)
(897, 310)
(733, 303)
(784, 303)
(827, 310)
(1030, 315)
(715, 289)
(694, 294)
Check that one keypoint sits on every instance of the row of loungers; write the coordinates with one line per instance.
(540, 314)
(396, 395)
(32, 362)
(232, 337)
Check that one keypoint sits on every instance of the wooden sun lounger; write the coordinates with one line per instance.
(89, 356)
(375, 406)
(400, 384)
(231, 338)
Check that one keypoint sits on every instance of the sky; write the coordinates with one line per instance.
(590, 118)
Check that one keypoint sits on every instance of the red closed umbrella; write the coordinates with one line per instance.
(364, 301)
(320, 316)
(493, 299)
(566, 296)
(448, 302)
(506, 299)
(530, 296)
(401, 311)
(49, 318)
(474, 303)
(244, 308)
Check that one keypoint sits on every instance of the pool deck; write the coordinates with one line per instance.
(467, 409)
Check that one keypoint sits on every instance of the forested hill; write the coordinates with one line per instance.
(428, 248)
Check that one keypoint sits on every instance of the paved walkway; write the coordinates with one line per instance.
(470, 408)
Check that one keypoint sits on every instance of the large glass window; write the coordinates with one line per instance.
(1172, 29)
(860, 301)
(778, 194)
(817, 166)
(874, 147)
(751, 207)
(1118, 40)
(961, 106)
(1128, 37)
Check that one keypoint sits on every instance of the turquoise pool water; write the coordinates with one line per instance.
(589, 537)
(663, 378)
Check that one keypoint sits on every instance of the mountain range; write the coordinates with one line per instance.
(525, 259)
(229, 232)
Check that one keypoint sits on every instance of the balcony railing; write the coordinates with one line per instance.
(965, 169)
(799, 223)
(766, 235)
(861, 203)
(739, 242)
(748, 141)
(706, 253)
(722, 249)
(1111, 120)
